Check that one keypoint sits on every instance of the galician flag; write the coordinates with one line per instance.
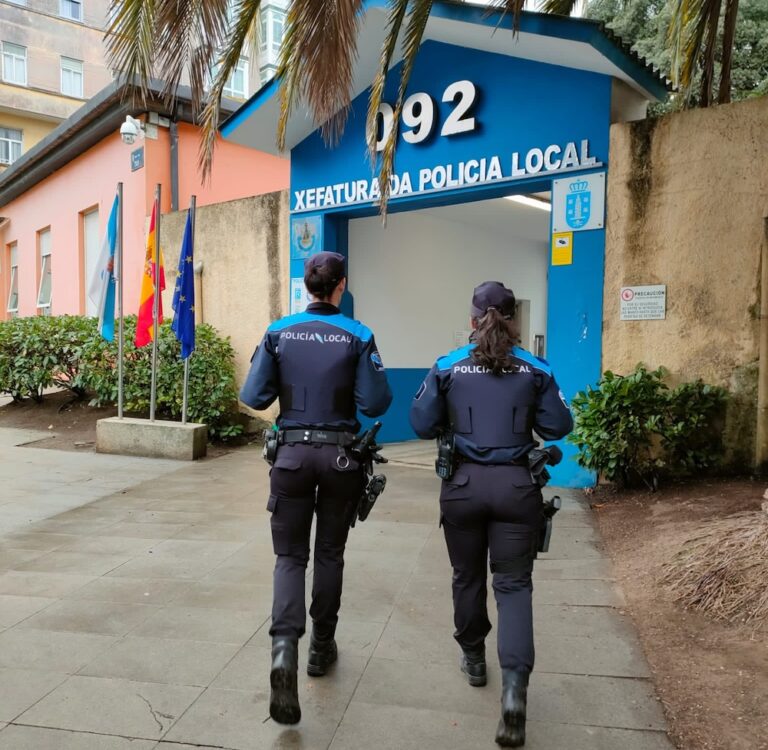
(184, 295)
(101, 290)
(144, 323)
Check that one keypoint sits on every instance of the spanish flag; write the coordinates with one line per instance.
(144, 322)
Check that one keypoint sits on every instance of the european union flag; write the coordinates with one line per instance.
(184, 296)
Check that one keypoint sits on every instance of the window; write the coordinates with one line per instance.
(263, 32)
(14, 63)
(13, 287)
(278, 22)
(237, 85)
(44, 292)
(71, 9)
(72, 77)
(10, 145)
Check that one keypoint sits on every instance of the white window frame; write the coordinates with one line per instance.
(68, 5)
(70, 65)
(45, 260)
(14, 279)
(11, 141)
(16, 58)
(229, 89)
(276, 40)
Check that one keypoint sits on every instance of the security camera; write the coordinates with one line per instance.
(131, 129)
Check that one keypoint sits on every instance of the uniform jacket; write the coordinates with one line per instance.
(323, 366)
(491, 416)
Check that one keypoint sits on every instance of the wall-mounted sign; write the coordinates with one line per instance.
(644, 302)
(562, 249)
(137, 159)
(306, 236)
(551, 159)
(299, 296)
(578, 203)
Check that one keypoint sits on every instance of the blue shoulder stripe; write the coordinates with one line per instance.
(355, 327)
(450, 359)
(531, 359)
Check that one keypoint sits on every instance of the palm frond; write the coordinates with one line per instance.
(558, 7)
(130, 40)
(691, 22)
(317, 62)
(189, 34)
(227, 58)
(414, 33)
(397, 11)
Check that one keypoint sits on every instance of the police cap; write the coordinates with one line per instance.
(493, 294)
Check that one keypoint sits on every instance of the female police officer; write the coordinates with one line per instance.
(322, 366)
(490, 396)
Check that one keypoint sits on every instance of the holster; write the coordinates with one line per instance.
(445, 463)
(271, 444)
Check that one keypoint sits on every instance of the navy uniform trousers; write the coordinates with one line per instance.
(307, 480)
(496, 510)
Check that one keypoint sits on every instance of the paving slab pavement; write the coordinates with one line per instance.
(134, 615)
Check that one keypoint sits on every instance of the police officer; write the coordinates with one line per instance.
(489, 396)
(322, 366)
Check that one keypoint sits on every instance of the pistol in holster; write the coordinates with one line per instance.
(366, 451)
(538, 460)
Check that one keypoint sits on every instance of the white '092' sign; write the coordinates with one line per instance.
(419, 115)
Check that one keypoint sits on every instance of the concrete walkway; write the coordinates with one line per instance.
(134, 609)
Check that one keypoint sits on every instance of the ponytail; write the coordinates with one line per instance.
(494, 337)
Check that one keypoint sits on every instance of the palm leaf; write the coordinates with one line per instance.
(397, 11)
(130, 40)
(317, 62)
(244, 28)
(414, 32)
(691, 21)
(558, 7)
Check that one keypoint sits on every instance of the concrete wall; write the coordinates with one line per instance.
(243, 246)
(687, 201)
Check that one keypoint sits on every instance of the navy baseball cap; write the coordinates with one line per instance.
(334, 263)
(493, 294)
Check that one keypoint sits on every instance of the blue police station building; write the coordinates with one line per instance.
(500, 174)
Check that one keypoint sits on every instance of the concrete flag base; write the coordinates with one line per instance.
(158, 439)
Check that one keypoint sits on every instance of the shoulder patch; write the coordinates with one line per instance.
(378, 365)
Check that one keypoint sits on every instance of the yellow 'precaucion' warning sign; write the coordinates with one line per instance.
(562, 248)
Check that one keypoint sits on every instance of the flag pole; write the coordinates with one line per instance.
(192, 211)
(156, 307)
(121, 337)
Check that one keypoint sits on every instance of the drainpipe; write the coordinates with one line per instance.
(174, 133)
(761, 439)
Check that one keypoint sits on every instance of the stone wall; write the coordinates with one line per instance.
(687, 201)
(243, 246)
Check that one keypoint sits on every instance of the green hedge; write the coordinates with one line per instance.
(67, 351)
(634, 429)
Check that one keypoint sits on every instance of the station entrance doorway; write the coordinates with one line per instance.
(412, 282)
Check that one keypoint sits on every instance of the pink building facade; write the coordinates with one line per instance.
(52, 224)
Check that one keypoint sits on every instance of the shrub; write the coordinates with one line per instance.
(634, 429)
(68, 351)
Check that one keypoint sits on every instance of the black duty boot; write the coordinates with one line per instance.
(284, 701)
(322, 653)
(514, 693)
(472, 663)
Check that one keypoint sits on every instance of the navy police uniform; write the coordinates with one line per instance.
(491, 505)
(322, 366)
